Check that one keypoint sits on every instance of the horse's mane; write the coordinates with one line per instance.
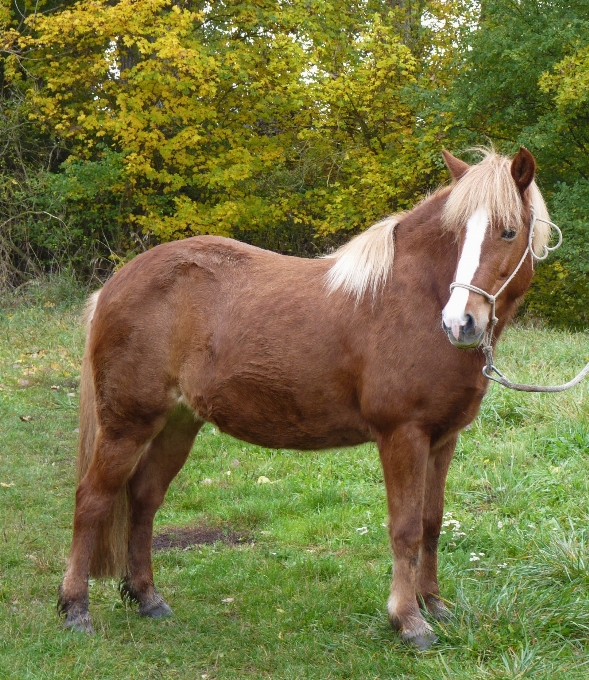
(365, 262)
(89, 309)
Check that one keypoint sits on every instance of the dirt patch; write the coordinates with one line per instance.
(187, 536)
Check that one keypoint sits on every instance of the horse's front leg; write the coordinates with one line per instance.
(433, 512)
(404, 455)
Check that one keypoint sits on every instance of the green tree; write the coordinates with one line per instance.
(278, 122)
(522, 80)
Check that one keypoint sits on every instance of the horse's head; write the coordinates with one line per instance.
(490, 208)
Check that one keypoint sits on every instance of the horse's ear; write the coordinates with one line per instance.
(523, 169)
(455, 165)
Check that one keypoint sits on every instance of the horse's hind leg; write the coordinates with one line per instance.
(113, 462)
(160, 463)
(433, 511)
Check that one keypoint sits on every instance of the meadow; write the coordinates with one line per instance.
(296, 584)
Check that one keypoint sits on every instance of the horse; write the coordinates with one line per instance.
(366, 344)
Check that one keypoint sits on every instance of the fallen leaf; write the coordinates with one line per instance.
(228, 600)
(26, 419)
(263, 480)
(5, 485)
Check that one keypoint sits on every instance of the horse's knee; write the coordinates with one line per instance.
(406, 540)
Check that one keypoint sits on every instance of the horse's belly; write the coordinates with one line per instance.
(278, 415)
(276, 436)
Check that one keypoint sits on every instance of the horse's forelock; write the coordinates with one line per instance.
(489, 184)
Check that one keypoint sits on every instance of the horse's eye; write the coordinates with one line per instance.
(508, 234)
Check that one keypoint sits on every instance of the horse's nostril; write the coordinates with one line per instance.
(470, 324)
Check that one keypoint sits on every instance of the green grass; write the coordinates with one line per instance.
(309, 588)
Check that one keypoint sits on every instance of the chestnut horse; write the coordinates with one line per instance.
(366, 344)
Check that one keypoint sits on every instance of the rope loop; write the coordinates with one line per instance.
(546, 249)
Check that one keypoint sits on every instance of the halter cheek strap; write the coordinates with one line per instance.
(487, 345)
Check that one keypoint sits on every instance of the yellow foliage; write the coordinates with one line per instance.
(270, 114)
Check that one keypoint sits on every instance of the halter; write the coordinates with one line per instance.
(487, 346)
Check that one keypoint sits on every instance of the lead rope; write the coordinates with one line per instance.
(489, 369)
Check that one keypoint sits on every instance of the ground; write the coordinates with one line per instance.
(292, 579)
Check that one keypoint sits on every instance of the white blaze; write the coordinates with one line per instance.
(454, 312)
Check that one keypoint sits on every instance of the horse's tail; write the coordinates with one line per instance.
(110, 553)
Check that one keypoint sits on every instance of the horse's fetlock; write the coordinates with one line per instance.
(150, 602)
(128, 592)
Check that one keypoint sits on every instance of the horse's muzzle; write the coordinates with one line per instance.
(465, 335)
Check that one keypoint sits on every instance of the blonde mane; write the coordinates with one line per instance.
(89, 309)
(365, 262)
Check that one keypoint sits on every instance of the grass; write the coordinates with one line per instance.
(305, 595)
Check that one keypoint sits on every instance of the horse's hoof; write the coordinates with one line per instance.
(421, 641)
(155, 610)
(80, 623)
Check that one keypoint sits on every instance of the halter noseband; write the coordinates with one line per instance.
(487, 347)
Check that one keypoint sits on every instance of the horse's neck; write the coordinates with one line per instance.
(426, 256)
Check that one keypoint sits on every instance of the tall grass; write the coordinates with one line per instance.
(304, 595)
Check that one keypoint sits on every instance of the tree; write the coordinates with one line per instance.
(523, 81)
(278, 122)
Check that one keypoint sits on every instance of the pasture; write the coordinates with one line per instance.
(297, 583)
